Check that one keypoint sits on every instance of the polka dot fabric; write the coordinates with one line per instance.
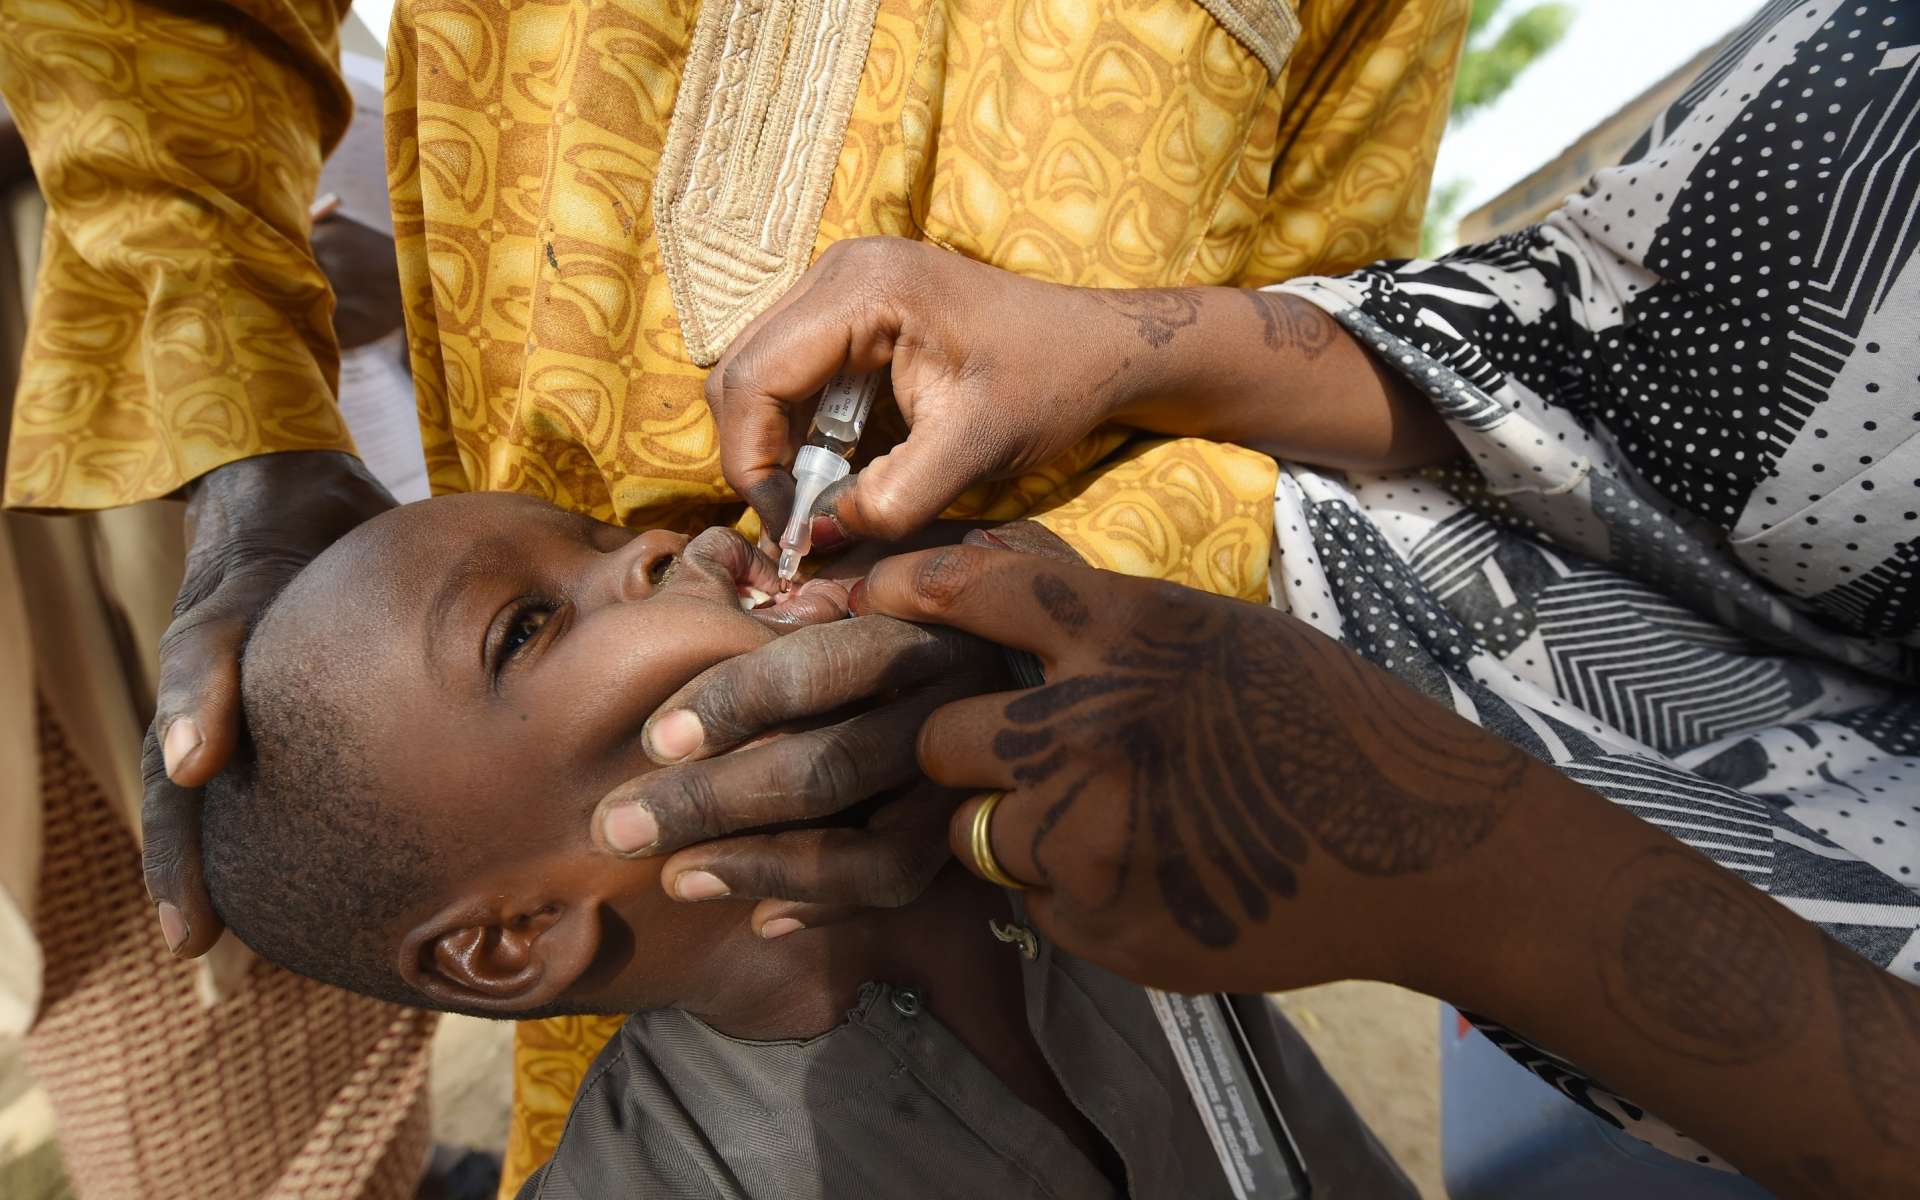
(1733, 314)
(1676, 558)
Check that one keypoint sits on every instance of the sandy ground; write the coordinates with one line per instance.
(1381, 1043)
(1378, 1041)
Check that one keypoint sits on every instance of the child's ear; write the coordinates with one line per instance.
(504, 963)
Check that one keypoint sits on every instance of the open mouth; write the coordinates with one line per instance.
(762, 596)
(811, 603)
(720, 562)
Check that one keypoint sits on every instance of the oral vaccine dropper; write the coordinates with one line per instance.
(822, 462)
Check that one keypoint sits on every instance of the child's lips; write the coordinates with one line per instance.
(814, 602)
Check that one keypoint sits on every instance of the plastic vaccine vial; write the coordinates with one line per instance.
(822, 462)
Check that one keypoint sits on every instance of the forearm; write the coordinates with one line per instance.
(1263, 369)
(1688, 990)
(1469, 870)
(180, 320)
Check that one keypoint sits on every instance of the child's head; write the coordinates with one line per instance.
(434, 707)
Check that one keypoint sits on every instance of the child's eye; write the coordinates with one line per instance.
(523, 628)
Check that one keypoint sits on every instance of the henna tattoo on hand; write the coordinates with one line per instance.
(1699, 963)
(1233, 771)
(1880, 1028)
(1157, 313)
(1290, 323)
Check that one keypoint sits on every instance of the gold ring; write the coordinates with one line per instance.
(982, 839)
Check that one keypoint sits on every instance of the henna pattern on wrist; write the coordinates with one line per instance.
(1290, 323)
(1699, 963)
(1880, 1028)
(1157, 313)
(1233, 771)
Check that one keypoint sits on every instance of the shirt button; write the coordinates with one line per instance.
(906, 1002)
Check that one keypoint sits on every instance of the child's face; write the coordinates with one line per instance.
(505, 656)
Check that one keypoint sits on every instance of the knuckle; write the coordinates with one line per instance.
(869, 251)
(688, 807)
(202, 580)
(817, 668)
(162, 865)
(718, 707)
(772, 879)
(153, 766)
(888, 507)
(826, 776)
(895, 879)
(761, 871)
(740, 375)
(942, 580)
(836, 671)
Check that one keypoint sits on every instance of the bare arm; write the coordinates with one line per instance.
(1267, 370)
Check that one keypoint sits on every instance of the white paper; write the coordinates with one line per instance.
(376, 15)
(376, 397)
(356, 171)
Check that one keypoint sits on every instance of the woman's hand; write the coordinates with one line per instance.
(1206, 795)
(996, 373)
(251, 526)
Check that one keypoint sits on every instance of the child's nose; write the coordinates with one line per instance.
(636, 569)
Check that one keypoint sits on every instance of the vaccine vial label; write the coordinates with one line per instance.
(846, 398)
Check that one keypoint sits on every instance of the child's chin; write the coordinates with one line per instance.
(814, 602)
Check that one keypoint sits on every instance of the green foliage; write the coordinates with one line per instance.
(1488, 67)
(1488, 70)
(1478, 17)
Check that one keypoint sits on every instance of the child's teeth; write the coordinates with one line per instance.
(752, 598)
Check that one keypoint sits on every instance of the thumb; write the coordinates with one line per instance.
(903, 490)
(197, 712)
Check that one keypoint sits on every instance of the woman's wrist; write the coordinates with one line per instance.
(1119, 371)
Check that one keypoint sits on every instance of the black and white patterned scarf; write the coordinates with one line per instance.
(1681, 558)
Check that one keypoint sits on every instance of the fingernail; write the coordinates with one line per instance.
(780, 927)
(183, 738)
(630, 829)
(699, 885)
(173, 926)
(856, 596)
(675, 736)
(828, 534)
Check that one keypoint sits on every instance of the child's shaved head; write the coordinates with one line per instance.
(433, 708)
(299, 811)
